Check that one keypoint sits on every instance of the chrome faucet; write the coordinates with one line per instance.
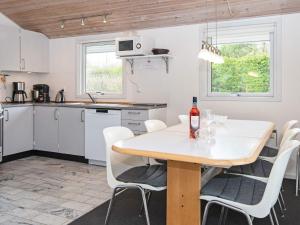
(91, 97)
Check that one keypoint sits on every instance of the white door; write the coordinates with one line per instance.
(34, 52)
(9, 49)
(17, 130)
(95, 121)
(46, 128)
(71, 131)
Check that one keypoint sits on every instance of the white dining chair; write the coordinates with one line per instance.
(130, 172)
(251, 197)
(262, 167)
(184, 119)
(154, 125)
(272, 152)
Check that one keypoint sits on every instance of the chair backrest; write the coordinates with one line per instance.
(289, 135)
(155, 125)
(275, 180)
(287, 126)
(183, 119)
(116, 163)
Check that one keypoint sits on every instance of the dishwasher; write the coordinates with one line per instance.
(95, 121)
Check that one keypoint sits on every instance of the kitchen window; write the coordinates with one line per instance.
(101, 72)
(252, 66)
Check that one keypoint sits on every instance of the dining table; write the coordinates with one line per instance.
(234, 142)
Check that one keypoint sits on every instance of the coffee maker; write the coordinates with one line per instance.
(40, 93)
(19, 93)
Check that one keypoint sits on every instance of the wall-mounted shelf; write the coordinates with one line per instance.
(131, 59)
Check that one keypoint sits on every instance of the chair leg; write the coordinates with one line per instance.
(249, 219)
(145, 205)
(281, 209)
(271, 219)
(282, 200)
(275, 216)
(148, 194)
(225, 216)
(297, 173)
(207, 207)
(221, 215)
(110, 207)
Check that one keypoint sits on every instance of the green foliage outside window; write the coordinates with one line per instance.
(246, 68)
(105, 79)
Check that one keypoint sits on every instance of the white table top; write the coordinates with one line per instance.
(236, 142)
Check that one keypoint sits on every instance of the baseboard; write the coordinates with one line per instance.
(54, 155)
(17, 156)
(57, 155)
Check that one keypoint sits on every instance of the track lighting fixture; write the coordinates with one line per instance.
(62, 24)
(83, 19)
(105, 19)
(82, 22)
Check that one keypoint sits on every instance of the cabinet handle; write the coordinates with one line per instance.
(135, 113)
(7, 115)
(55, 114)
(82, 116)
(136, 124)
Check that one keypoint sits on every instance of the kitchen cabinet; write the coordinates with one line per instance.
(34, 52)
(17, 130)
(9, 49)
(71, 131)
(23, 50)
(46, 128)
(134, 119)
(59, 129)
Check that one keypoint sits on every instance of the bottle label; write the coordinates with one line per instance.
(195, 122)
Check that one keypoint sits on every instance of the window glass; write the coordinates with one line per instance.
(102, 70)
(246, 68)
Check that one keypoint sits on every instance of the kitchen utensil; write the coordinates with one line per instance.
(60, 97)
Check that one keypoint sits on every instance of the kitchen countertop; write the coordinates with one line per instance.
(88, 105)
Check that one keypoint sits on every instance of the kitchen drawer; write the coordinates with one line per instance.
(134, 125)
(135, 115)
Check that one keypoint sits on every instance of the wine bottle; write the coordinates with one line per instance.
(194, 119)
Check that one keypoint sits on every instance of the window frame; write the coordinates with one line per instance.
(81, 77)
(275, 67)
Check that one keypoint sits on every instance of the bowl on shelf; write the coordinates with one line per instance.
(160, 51)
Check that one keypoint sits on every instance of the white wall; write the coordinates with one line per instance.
(29, 79)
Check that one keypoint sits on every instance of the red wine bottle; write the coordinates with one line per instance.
(194, 119)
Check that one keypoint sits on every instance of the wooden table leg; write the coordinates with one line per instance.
(183, 190)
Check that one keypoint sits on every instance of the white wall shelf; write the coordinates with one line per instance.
(131, 60)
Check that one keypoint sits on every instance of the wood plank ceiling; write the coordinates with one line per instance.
(45, 16)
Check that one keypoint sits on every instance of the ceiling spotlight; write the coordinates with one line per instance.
(82, 22)
(62, 24)
(105, 19)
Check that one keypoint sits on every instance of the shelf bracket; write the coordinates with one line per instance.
(166, 60)
(131, 63)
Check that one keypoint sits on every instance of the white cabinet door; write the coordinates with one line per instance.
(46, 128)
(34, 52)
(9, 49)
(71, 131)
(17, 130)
